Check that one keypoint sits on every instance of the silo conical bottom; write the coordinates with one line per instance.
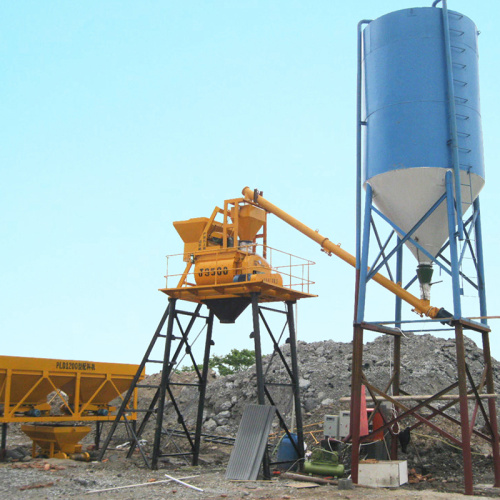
(405, 196)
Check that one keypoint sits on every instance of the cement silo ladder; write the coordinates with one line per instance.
(452, 113)
(459, 76)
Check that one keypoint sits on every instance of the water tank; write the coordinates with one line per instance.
(407, 143)
(287, 454)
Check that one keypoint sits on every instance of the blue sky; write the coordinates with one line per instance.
(122, 117)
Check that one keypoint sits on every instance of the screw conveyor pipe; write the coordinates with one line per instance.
(421, 306)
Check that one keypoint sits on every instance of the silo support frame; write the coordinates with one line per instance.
(465, 394)
(382, 259)
(407, 237)
(444, 264)
(453, 268)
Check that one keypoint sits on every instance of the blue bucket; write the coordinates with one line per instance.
(287, 453)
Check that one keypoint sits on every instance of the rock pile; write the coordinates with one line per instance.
(427, 366)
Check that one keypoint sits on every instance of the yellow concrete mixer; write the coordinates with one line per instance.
(225, 258)
(212, 246)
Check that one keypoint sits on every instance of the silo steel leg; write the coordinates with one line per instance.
(363, 271)
(397, 345)
(395, 388)
(455, 268)
(492, 408)
(357, 363)
(464, 409)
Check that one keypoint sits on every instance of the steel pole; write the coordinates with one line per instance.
(357, 364)
(97, 437)
(203, 388)
(261, 397)
(464, 409)
(258, 350)
(163, 384)
(455, 270)
(396, 339)
(492, 408)
(359, 124)
(3, 445)
(295, 381)
(481, 282)
(360, 313)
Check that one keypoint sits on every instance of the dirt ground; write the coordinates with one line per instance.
(52, 478)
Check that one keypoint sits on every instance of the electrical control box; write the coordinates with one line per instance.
(331, 426)
(337, 426)
(344, 424)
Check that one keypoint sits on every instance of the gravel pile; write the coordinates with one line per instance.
(427, 366)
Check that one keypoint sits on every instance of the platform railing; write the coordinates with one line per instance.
(294, 270)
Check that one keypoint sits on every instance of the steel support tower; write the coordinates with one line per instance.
(178, 339)
(464, 239)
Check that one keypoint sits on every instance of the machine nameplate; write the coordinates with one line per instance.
(75, 365)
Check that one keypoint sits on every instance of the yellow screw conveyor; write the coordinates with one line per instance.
(420, 306)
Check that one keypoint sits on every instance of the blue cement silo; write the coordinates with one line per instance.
(420, 91)
(420, 161)
(408, 117)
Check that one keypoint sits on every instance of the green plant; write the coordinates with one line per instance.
(233, 362)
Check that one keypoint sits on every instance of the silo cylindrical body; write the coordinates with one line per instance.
(407, 143)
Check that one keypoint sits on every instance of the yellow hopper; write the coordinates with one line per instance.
(57, 441)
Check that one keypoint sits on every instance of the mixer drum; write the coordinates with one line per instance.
(237, 267)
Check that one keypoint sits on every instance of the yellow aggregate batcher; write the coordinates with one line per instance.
(420, 306)
(80, 391)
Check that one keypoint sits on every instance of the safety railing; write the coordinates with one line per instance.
(186, 270)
